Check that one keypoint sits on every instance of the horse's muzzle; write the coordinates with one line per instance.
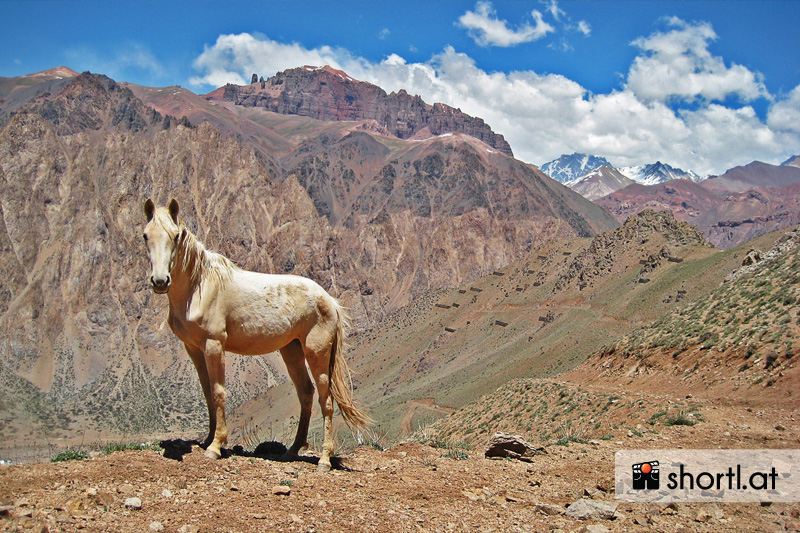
(160, 285)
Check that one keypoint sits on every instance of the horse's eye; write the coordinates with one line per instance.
(145, 236)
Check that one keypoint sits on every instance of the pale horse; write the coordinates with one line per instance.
(215, 306)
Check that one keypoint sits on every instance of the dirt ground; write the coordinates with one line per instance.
(409, 487)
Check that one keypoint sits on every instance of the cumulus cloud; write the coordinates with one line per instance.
(784, 115)
(545, 115)
(678, 65)
(487, 30)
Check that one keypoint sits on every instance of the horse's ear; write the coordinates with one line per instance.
(149, 209)
(173, 210)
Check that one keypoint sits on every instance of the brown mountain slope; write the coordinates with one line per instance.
(731, 209)
(539, 317)
(736, 344)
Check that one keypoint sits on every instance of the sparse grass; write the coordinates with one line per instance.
(458, 455)
(680, 419)
(69, 455)
(113, 448)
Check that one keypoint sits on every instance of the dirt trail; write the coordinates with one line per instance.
(421, 403)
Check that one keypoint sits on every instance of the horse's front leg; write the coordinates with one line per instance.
(199, 360)
(215, 364)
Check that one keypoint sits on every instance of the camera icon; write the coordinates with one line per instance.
(645, 475)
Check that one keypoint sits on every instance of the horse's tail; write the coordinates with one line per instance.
(340, 379)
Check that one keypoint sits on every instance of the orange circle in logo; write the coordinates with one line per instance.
(646, 468)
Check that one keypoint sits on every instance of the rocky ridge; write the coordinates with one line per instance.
(331, 95)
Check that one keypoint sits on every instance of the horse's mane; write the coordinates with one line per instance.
(203, 262)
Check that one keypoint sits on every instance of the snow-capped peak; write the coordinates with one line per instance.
(657, 172)
(571, 167)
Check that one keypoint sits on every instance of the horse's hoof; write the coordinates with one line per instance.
(323, 468)
(211, 454)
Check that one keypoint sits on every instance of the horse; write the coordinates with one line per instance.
(216, 306)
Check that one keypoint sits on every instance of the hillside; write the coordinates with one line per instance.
(734, 345)
(540, 317)
(730, 209)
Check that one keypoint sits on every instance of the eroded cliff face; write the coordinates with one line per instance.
(83, 341)
(328, 94)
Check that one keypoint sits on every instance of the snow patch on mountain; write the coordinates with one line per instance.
(657, 172)
(574, 166)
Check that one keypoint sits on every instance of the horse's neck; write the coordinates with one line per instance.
(187, 270)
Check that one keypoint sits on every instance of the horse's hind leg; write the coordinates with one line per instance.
(295, 362)
(199, 361)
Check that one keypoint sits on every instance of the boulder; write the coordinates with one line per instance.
(505, 445)
(585, 509)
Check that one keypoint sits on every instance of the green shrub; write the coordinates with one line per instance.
(680, 419)
(113, 448)
(69, 455)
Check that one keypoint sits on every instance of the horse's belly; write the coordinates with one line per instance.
(256, 344)
(258, 338)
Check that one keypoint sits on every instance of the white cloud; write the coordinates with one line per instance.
(678, 65)
(487, 30)
(784, 115)
(545, 115)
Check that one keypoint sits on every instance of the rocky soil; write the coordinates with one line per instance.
(436, 486)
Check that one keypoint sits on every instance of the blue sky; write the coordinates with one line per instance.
(700, 85)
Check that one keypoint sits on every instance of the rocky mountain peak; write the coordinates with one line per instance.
(90, 102)
(573, 166)
(328, 94)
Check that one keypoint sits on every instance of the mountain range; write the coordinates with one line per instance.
(573, 170)
(730, 209)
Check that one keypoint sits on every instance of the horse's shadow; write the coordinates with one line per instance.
(267, 450)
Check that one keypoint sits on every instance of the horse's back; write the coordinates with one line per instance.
(267, 311)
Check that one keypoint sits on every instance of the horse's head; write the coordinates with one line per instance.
(161, 237)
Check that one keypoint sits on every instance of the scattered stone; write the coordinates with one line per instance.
(702, 516)
(606, 485)
(155, 527)
(281, 490)
(133, 503)
(584, 509)
(166, 493)
(5, 510)
(548, 509)
(512, 446)
(188, 528)
(593, 528)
